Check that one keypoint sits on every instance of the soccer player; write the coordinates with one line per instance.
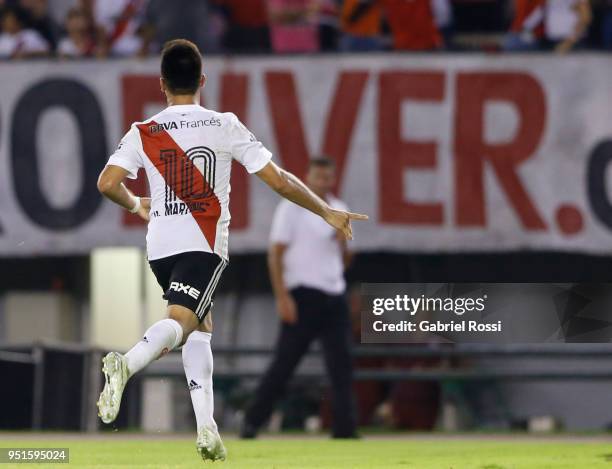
(187, 151)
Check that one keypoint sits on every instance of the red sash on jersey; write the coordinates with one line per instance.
(529, 16)
(194, 190)
(124, 19)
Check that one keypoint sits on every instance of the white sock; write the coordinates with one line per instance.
(198, 364)
(160, 338)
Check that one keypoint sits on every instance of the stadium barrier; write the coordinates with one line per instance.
(45, 375)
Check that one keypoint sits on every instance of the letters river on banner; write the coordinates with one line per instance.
(445, 153)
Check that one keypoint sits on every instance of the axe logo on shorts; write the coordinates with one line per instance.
(187, 289)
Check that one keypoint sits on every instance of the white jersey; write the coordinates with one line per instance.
(314, 256)
(187, 153)
(561, 19)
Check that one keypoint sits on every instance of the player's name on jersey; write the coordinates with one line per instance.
(182, 208)
(184, 124)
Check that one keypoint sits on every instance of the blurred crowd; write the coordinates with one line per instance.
(129, 28)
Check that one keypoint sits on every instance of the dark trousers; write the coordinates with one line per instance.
(320, 316)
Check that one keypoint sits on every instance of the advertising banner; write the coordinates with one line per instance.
(444, 153)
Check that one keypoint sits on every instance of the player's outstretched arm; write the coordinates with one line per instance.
(110, 184)
(291, 188)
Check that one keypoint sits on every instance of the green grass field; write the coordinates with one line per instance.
(422, 452)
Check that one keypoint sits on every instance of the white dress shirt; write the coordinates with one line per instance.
(314, 255)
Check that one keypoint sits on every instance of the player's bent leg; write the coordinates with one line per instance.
(187, 319)
(159, 339)
(207, 324)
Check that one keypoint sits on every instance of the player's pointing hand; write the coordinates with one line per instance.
(341, 220)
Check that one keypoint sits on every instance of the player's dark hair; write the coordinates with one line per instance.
(321, 162)
(181, 66)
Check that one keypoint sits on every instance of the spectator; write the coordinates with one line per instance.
(360, 23)
(121, 29)
(293, 26)
(412, 25)
(566, 22)
(17, 40)
(443, 17)
(41, 21)
(327, 19)
(199, 22)
(247, 25)
(80, 40)
(58, 9)
(527, 29)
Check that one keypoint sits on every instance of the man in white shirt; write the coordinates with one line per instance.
(186, 152)
(307, 259)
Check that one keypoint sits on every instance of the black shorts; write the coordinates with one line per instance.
(189, 279)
